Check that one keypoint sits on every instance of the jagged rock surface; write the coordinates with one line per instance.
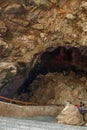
(29, 24)
(55, 88)
(70, 115)
(28, 27)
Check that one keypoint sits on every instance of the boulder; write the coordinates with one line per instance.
(21, 22)
(45, 4)
(15, 8)
(70, 115)
(4, 47)
(37, 26)
(3, 44)
(7, 72)
(84, 5)
(70, 16)
(86, 125)
(3, 28)
(85, 116)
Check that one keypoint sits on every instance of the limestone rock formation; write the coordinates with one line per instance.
(86, 125)
(3, 28)
(70, 115)
(43, 23)
(30, 27)
(13, 9)
(56, 89)
(7, 72)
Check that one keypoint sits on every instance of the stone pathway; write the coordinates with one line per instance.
(28, 124)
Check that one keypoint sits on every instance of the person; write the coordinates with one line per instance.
(67, 103)
(81, 108)
(78, 105)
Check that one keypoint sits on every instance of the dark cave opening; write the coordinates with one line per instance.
(62, 60)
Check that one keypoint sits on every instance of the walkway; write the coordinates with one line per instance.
(24, 124)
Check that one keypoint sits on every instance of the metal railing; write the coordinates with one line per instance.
(18, 102)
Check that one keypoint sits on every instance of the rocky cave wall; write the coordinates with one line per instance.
(29, 27)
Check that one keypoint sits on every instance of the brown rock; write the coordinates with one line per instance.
(20, 22)
(37, 26)
(84, 25)
(14, 8)
(86, 125)
(84, 5)
(86, 84)
(33, 30)
(83, 79)
(70, 16)
(45, 4)
(3, 28)
(3, 44)
(54, 1)
(85, 116)
(7, 72)
(70, 115)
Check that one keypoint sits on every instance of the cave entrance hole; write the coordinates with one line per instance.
(62, 60)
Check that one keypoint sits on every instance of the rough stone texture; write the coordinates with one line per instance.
(85, 117)
(45, 23)
(3, 28)
(16, 124)
(42, 23)
(84, 5)
(15, 8)
(28, 27)
(70, 115)
(7, 72)
(55, 88)
(11, 110)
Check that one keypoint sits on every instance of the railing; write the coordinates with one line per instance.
(16, 101)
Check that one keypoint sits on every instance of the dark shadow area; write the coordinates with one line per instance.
(62, 60)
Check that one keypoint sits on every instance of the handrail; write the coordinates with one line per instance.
(17, 101)
(26, 103)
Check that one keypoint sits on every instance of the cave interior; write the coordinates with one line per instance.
(61, 60)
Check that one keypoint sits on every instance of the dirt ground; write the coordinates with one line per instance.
(55, 88)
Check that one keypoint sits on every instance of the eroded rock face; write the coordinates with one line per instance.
(28, 27)
(3, 28)
(49, 22)
(70, 115)
(7, 72)
(55, 88)
(14, 9)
